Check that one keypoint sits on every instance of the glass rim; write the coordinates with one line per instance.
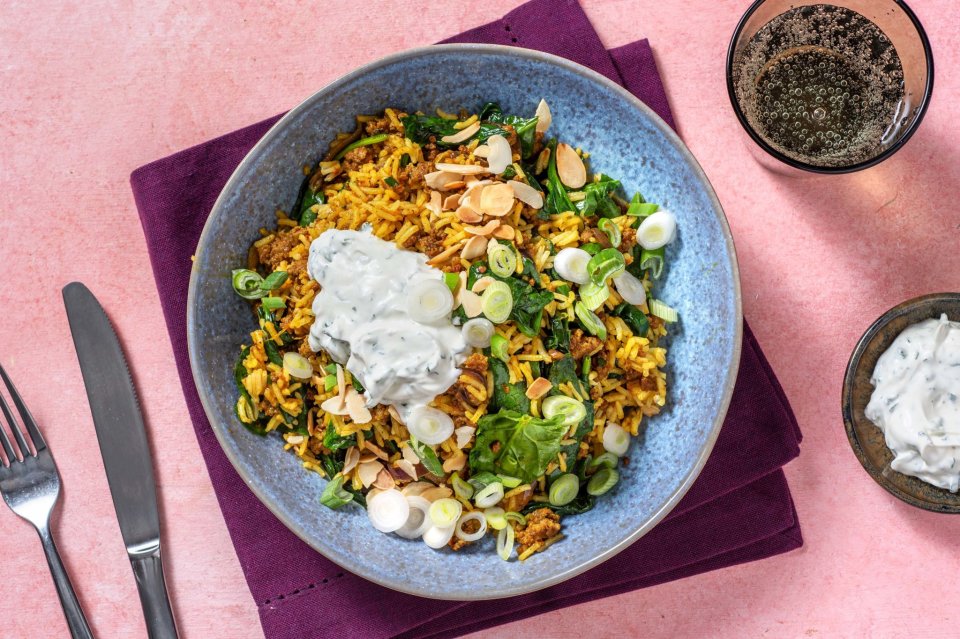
(828, 170)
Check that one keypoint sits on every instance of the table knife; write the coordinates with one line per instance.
(125, 451)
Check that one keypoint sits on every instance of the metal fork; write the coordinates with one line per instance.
(30, 485)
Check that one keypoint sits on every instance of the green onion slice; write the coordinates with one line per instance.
(610, 227)
(642, 209)
(570, 409)
(489, 495)
(604, 265)
(501, 258)
(461, 488)
(373, 139)
(516, 517)
(564, 489)
(590, 320)
(505, 539)
(664, 312)
(606, 460)
(273, 281)
(335, 495)
(602, 481)
(273, 303)
(592, 248)
(495, 518)
(508, 481)
(297, 365)
(452, 280)
(594, 296)
(497, 302)
(652, 261)
(329, 382)
(445, 512)
(331, 368)
(247, 284)
(499, 346)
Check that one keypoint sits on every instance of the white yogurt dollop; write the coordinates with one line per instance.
(362, 320)
(916, 401)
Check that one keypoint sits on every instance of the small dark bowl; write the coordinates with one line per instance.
(866, 439)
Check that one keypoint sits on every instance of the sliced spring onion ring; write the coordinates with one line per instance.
(613, 232)
(590, 320)
(593, 295)
(630, 288)
(437, 538)
(418, 521)
(615, 439)
(499, 346)
(298, 366)
(445, 512)
(604, 460)
(373, 139)
(489, 496)
(664, 312)
(652, 261)
(452, 280)
(495, 518)
(476, 515)
(388, 510)
(429, 301)
(461, 488)
(604, 265)
(505, 540)
(516, 517)
(641, 209)
(508, 481)
(331, 368)
(273, 303)
(573, 411)
(497, 302)
(571, 264)
(602, 481)
(564, 489)
(430, 425)
(657, 230)
(329, 382)
(478, 332)
(247, 284)
(501, 258)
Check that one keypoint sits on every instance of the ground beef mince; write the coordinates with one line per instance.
(542, 524)
(583, 345)
(629, 240)
(355, 158)
(431, 244)
(278, 250)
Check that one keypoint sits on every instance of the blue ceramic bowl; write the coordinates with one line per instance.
(625, 139)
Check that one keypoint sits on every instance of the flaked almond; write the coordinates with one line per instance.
(341, 384)
(455, 463)
(570, 167)
(357, 407)
(504, 232)
(453, 186)
(540, 387)
(474, 248)
(439, 179)
(295, 439)
(351, 460)
(500, 155)
(464, 134)
(496, 199)
(435, 202)
(544, 118)
(461, 286)
(482, 151)
(416, 488)
(471, 303)
(486, 229)
(526, 194)
(408, 468)
(384, 480)
(367, 456)
(468, 215)
(464, 435)
(368, 471)
(481, 284)
(335, 406)
(445, 255)
(393, 413)
(435, 493)
(451, 202)
(409, 454)
(470, 180)
(461, 169)
(472, 184)
(376, 450)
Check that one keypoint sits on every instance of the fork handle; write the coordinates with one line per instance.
(148, 570)
(68, 598)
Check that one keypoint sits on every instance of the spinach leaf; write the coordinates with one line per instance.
(565, 370)
(330, 464)
(335, 495)
(597, 200)
(475, 272)
(633, 317)
(481, 480)
(557, 200)
(428, 457)
(297, 423)
(528, 305)
(525, 128)
(239, 372)
(507, 396)
(420, 128)
(559, 337)
(581, 504)
(524, 444)
(306, 199)
(265, 315)
(333, 441)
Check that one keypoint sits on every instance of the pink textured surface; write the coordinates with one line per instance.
(92, 90)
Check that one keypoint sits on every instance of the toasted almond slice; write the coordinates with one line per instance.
(416, 488)
(435, 202)
(526, 194)
(408, 468)
(451, 202)
(376, 450)
(464, 435)
(437, 492)
(461, 286)
(481, 151)
(453, 186)
(357, 407)
(341, 384)
(486, 229)
(472, 184)
(334, 406)
(368, 471)
(496, 199)
(570, 167)
(351, 460)
(481, 285)
(468, 215)
(455, 463)
(409, 454)
(393, 413)
(474, 248)
(471, 303)
(540, 387)
(438, 179)
(367, 456)
(384, 480)
(500, 155)
(447, 253)
(461, 169)
(504, 232)
(544, 118)
(464, 134)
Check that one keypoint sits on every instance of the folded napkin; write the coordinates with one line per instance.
(738, 510)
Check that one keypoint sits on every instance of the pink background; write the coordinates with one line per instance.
(91, 90)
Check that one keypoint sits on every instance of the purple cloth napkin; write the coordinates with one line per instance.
(738, 510)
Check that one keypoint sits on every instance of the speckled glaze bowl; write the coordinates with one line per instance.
(625, 139)
(865, 437)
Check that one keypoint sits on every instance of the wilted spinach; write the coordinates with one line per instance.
(517, 445)
(507, 396)
(597, 199)
(334, 441)
(557, 200)
(428, 457)
(633, 317)
(525, 128)
(559, 337)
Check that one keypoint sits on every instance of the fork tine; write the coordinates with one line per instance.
(15, 427)
(5, 441)
(28, 420)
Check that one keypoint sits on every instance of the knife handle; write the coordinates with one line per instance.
(148, 571)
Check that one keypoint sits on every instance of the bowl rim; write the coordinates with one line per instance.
(846, 400)
(346, 561)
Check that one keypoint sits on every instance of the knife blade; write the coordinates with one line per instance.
(126, 453)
